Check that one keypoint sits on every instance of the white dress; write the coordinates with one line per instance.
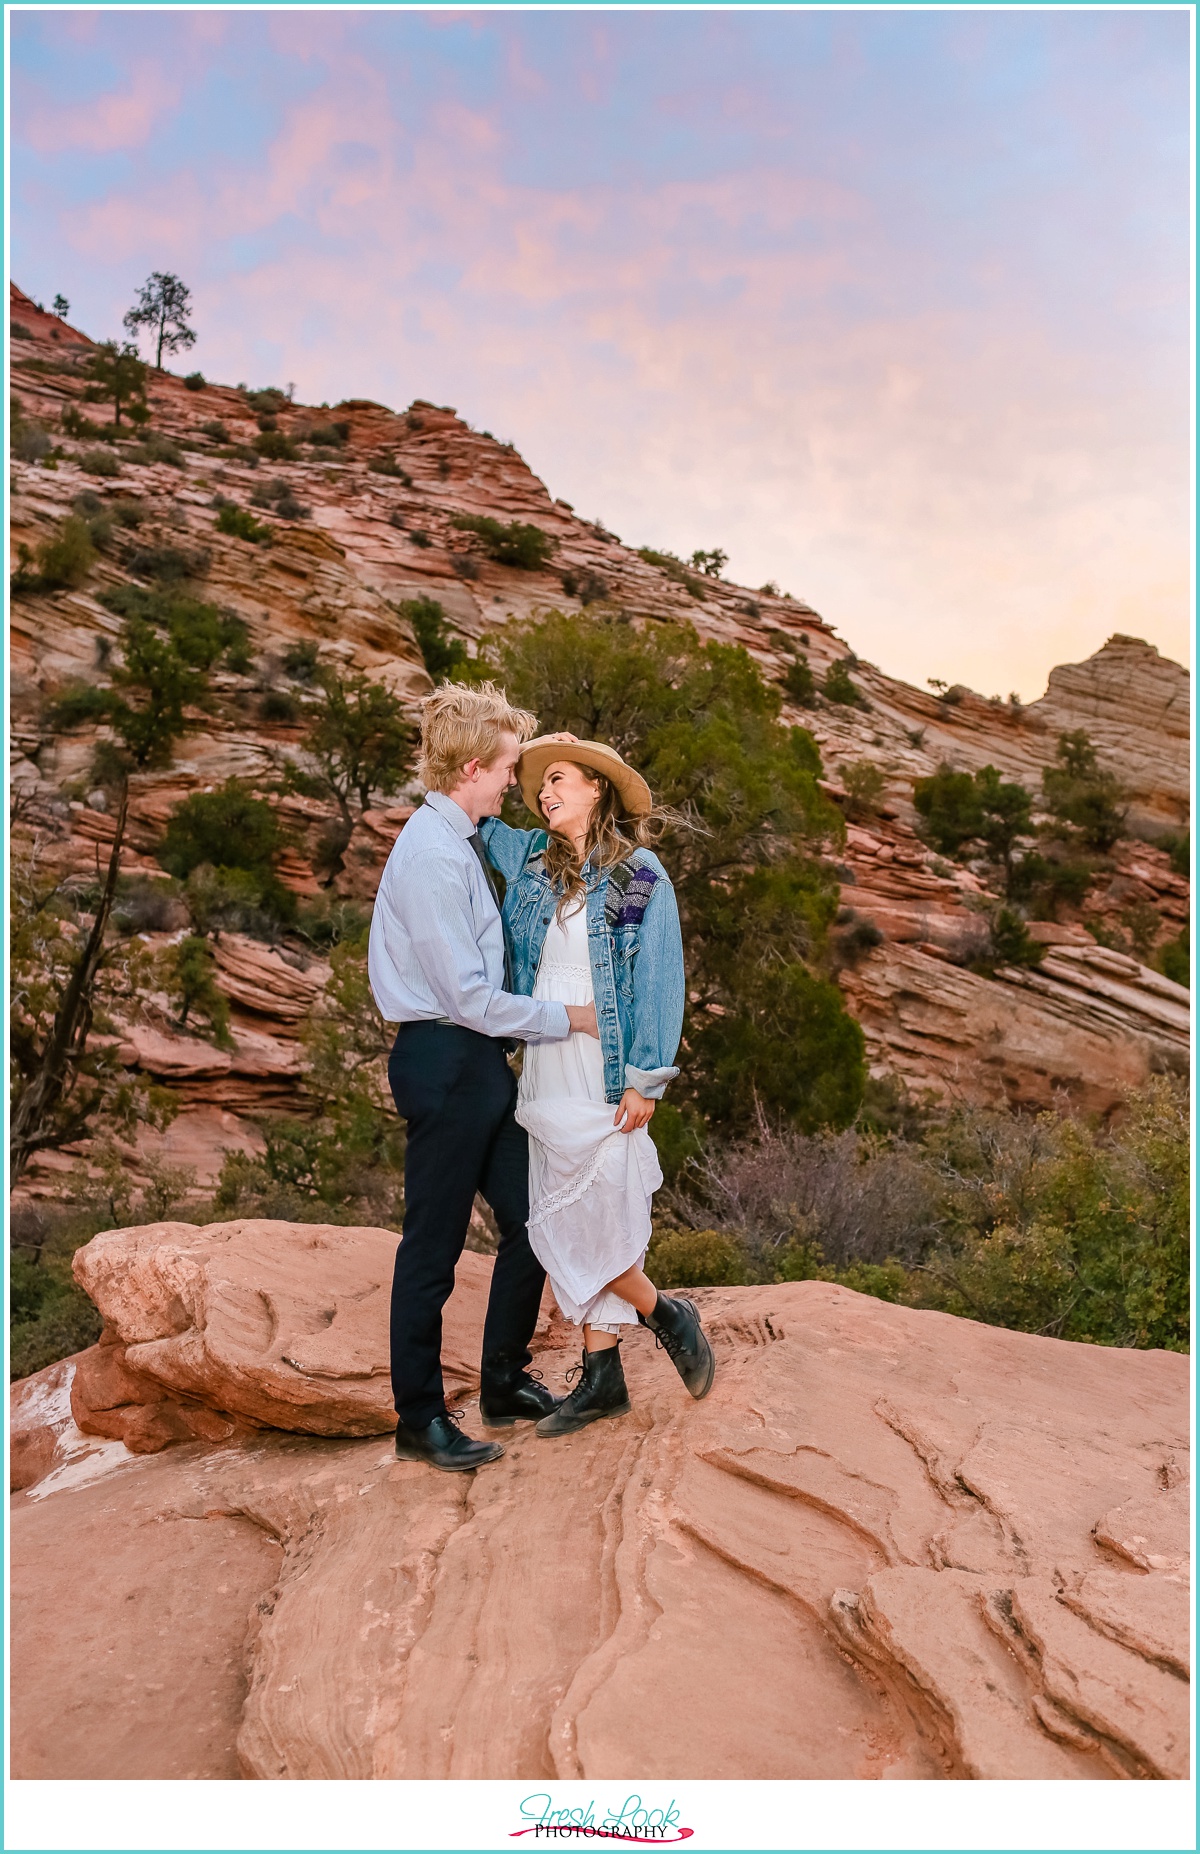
(590, 1185)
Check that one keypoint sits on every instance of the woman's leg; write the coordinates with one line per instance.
(636, 1287)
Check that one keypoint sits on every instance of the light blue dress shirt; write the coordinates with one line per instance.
(437, 943)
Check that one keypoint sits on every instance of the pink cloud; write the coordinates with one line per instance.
(121, 118)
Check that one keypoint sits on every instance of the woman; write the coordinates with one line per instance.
(590, 914)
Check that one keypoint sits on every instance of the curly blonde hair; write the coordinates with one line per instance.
(460, 724)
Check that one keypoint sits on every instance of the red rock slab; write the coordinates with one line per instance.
(776, 1553)
(130, 1625)
(277, 1323)
(1139, 1710)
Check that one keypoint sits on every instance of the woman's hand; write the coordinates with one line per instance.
(563, 736)
(635, 1109)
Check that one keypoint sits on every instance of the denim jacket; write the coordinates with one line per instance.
(636, 952)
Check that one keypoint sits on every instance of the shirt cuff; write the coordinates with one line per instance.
(651, 1083)
(555, 1023)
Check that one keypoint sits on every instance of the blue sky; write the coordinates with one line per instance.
(892, 306)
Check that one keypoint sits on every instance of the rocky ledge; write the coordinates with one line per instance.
(889, 1544)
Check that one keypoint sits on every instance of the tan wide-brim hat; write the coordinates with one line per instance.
(536, 755)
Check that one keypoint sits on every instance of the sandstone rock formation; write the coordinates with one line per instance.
(889, 1544)
(378, 530)
(269, 1324)
(1082, 1027)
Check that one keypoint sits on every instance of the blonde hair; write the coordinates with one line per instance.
(459, 724)
(611, 838)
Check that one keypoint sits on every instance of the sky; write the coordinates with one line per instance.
(892, 306)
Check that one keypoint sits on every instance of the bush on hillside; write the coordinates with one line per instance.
(840, 687)
(1079, 792)
(276, 446)
(99, 463)
(442, 654)
(240, 522)
(514, 543)
(229, 830)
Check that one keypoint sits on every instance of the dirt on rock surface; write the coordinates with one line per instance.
(889, 1544)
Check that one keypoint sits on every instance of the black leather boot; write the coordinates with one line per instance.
(676, 1327)
(443, 1445)
(599, 1392)
(510, 1394)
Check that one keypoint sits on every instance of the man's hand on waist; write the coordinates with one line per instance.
(582, 1019)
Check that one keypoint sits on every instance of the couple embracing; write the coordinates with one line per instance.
(579, 958)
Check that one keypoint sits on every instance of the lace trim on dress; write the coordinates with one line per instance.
(579, 973)
(572, 1192)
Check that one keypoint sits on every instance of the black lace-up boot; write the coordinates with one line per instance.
(600, 1392)
(443, 1445)
(510, 1394)
(676, 1327)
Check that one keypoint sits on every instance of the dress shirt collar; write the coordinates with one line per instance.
(453, 813)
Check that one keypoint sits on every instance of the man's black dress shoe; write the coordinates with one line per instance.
(508, 1396)
(443, 1445)
(676, 1327)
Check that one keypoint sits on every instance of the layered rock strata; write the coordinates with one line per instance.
(378, 529)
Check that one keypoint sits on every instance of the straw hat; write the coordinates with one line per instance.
(536, 755)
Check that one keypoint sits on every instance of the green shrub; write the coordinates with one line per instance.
(51, 1318)
(515, 543)
(799, 683)
(99, 463)
(1174, 960)
(240, 522)
(276, 446)
(194, 382)
(67, 558)
(300, 661)
(80, 704)
(329, 436)
(155, 449)
(840, 687)
(675, 570)
(168, 564)
(1009, 944)
(961, 808)
(229, 828)
(189, 970)
(443, 655)
(201, 633)
(419, 538)
(864, 784)
(695, 1258)
(32, 444)
(280, 705)
(1078, 791)
(216, 429)
(385, 466)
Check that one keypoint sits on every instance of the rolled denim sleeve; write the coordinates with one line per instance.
(434, 907)
(509, 850)
(658, 996)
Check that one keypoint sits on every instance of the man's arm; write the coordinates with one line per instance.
(433, 904)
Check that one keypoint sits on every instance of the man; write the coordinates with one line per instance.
(437, 969)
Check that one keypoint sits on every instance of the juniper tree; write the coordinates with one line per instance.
(163, 307)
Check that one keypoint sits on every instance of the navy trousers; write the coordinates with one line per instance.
(457, 1093)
